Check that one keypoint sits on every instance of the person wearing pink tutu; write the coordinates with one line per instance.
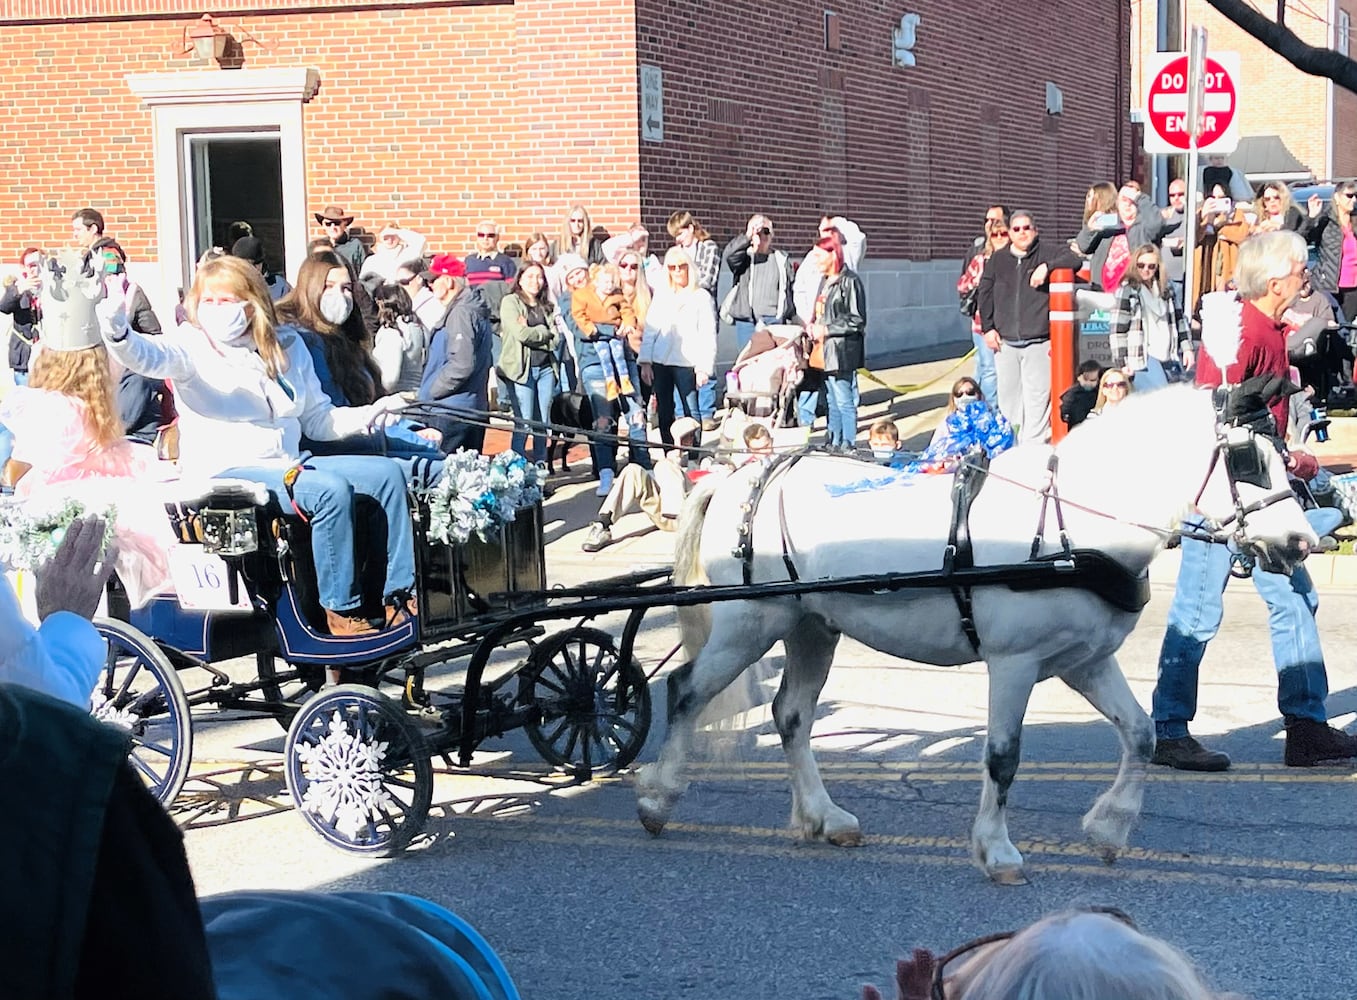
(67, 431)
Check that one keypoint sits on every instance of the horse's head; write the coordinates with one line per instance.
(1247, 497)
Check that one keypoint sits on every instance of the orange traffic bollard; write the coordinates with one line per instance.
(1062, 344)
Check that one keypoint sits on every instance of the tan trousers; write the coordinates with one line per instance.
(658, 494)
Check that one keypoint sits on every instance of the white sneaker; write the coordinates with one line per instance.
(605, 482)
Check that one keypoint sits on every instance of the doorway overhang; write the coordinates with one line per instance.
(213, 100)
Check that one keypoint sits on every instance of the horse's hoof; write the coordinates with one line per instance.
(846, 838)
(652, 819)
(1008, 875)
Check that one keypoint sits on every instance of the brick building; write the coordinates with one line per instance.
(1292, 126)
(434, 114)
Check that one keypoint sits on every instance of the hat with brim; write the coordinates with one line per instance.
(684, 427)
(335, 214)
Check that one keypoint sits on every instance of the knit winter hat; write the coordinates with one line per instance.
(69, 294)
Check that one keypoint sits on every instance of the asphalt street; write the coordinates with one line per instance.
(1253, 872)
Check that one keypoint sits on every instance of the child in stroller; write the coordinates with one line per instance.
(763, 381)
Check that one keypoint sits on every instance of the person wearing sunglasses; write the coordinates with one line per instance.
(969, 421)
(578, 237)
(1014, 302)
(1108, 242)
(336, 222)
(1149, 335)
(395, 245)
(1113, 388)
(1075, 955)
(994, 238)
(1332, 234)
(678, 343)
(762, 288)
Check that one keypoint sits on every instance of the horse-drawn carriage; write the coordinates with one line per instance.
(357, 752)
(761, 549)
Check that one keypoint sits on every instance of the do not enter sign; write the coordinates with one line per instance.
(1166, 100)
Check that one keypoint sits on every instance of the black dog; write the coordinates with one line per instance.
(569, 411)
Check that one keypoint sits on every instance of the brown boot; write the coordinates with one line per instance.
(341, 624)
(401, 609)
(1310, 743)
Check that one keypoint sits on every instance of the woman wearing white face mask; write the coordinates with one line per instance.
(320, 311)
(245, 399)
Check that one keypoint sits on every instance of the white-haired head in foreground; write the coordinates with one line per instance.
(1081, 955)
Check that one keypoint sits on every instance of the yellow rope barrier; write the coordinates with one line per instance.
(905, 390)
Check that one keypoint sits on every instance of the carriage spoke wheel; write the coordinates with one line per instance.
(289, 687)
(139, 691)
(359, 771)
(594, 707)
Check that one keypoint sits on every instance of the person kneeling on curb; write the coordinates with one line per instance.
(659, 492)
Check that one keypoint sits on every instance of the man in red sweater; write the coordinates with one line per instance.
(1239, 342)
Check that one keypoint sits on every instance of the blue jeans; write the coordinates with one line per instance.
(1194, 619)
(675, 384)
(327, 491)
(532, 401)
(808, 397)
(20, 378)
(420, 460)
(842, 396)
(6, 444)
(633, 416)
(985, 372)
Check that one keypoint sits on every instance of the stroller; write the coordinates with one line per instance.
(763, 381)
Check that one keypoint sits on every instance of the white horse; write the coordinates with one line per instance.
(1125, 480)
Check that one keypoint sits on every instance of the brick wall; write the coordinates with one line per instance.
(758, 116)
(433, 115)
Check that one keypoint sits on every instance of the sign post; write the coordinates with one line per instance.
(1191, 107)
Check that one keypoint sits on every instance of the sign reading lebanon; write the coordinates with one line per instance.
(1166, 100)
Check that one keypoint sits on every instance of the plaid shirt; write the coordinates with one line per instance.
(1127, 335)
(706, 258)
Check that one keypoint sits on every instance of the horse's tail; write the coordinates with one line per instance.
(694, 622)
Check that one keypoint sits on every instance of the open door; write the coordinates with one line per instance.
(232, 180)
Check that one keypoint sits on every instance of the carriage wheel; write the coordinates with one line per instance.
(139, 691)
(594, 708)
(359, 771)
(283, 689)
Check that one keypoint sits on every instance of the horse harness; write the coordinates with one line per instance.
(1086, 569)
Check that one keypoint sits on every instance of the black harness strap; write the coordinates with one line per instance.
(744, 548)
(1050, 492)
(959, 555)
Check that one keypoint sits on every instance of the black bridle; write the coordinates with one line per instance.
(1238, 448)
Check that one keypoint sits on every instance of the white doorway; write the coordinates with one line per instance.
(228, 147)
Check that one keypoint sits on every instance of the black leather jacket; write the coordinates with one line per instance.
(845, 320)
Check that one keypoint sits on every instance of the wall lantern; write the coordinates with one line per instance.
(206, 38)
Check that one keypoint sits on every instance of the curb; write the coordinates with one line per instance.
(1327, 570)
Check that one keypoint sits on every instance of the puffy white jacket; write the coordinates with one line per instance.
(230, 412)
(680, 331)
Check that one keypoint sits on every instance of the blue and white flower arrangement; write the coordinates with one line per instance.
(31, 533)
(477, 495)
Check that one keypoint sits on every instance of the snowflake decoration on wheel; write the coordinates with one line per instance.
(344, 778)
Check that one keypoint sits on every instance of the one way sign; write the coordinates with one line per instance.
(652, 103)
